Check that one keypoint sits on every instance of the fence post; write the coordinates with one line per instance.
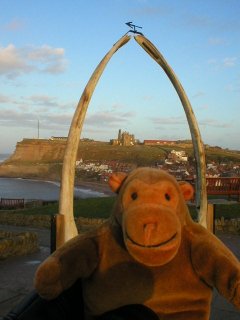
(53, 233)
(211, 217)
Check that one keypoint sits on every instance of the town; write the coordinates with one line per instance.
(176, 162)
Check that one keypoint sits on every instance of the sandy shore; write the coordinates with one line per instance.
(34, 173)
(95, 186)
(88, 185)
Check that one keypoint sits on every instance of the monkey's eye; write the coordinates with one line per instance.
(167, 197)
(134, 195)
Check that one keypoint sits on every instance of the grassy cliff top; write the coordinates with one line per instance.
(44, 150)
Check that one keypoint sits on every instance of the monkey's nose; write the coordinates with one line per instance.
(149, 231)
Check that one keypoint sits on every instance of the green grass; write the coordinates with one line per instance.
(227, 211)
(88, 208)
(94, 208)
(45, 210)
(147, 155)
(102, 208)
(138, 154)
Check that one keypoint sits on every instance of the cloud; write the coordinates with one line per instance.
(172, 121)
(21, 118)
(229, 62)
(45, 53)
(52, 58)
(203, 107)
(49, 101)
(54, 115)
(59, 119)
(147, 98)
(198, 94)
(115, 107)
(108, 118)
(42, 102)
(18, 61)
(214, 123)
(152, 11)
(233, 87)
(5, 99)
(14, 25)
(192, 20)
(12, 62)
(216, 41)
(169, 121)
(14, 116)
(212, 61)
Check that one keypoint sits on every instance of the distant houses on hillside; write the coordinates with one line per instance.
(177, 156)
(158, 142)
(59, 138)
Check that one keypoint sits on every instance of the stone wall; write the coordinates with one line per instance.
(42, 221)
(18, 219)
(228, 225)
(16, 244)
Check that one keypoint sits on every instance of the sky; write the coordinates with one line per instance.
(49, 50)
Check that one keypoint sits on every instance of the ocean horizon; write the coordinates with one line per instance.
(4, 156)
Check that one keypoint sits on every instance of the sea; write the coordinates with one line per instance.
(28, 189)
(4, 156)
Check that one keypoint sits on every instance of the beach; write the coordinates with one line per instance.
(96, 186)
(48, 190)
(88, 186)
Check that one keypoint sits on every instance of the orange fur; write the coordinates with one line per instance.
(149, 252)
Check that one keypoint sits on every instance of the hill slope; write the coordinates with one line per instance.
(42, 158)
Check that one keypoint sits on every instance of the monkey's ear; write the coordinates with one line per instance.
(186, 189)
(116, 180)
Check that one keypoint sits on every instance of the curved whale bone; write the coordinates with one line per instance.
(201, 192)
(66, 227)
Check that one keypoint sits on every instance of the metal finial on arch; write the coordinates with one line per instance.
(66, 227)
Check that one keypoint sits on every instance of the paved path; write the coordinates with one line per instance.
(16, 275)
(221, 309)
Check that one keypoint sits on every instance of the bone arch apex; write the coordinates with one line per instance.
(67, 225)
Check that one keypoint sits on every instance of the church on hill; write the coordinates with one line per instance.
(123, 139)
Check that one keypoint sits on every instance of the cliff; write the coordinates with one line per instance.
(42, 158)
(35, 158)
(38, 150)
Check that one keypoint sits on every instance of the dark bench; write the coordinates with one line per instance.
(11, 203)
(224, 186)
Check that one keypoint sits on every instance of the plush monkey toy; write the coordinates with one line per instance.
(149, 252)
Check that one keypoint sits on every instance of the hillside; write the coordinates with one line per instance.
(42, 158)
(38, 150)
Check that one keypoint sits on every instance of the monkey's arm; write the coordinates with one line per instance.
(76, 259)
(217, 266)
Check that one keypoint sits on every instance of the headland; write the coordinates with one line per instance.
(42, 159)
